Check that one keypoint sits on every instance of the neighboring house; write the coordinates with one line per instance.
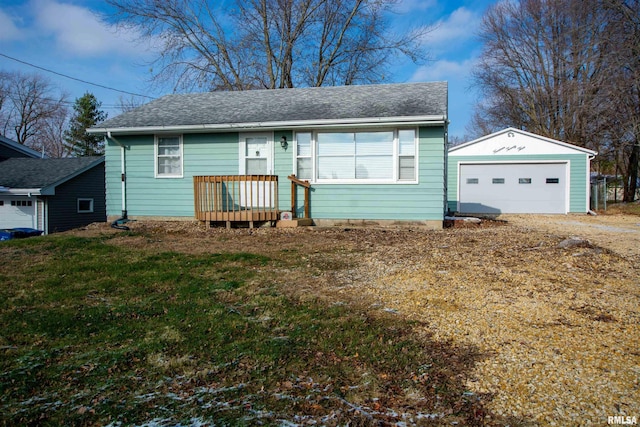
(10, 149)
(513, 171)
(52, 194)
(373, 152)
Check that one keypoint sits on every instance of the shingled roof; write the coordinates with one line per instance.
(37, 174)
(299, 106)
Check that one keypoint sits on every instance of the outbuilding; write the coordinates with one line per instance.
(513, 171)
(52, 195)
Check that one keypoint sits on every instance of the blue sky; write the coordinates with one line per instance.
(70, 38)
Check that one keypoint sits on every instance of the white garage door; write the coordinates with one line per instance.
(17, 213)
(513, 188)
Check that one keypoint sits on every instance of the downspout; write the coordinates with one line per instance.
(589, 210)
(118, 223)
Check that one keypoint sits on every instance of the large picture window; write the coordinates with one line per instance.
(357, 156)
(169, 157)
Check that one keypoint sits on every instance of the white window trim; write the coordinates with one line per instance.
(396, 158)
(155, 157)
(312, 156)
(85, 199)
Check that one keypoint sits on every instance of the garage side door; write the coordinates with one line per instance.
(17, 213)
(513, 188)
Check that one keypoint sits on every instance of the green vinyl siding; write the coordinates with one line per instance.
(578, 190)
(204, 154)
(218, 154)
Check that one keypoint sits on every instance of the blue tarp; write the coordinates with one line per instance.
(19, 233)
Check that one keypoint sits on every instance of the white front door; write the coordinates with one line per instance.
(256, 158)
(256, 153)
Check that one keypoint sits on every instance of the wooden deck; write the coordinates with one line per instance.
(236, 198)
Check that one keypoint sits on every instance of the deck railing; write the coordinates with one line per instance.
(229, 198)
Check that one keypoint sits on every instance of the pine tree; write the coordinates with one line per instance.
(87, 113)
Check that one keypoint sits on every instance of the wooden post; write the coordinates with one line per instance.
(293, 198)
(306, 202)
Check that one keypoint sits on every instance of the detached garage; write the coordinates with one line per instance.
(52, 194)
(513, 171)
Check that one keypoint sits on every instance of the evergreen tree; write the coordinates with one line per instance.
(87, 113)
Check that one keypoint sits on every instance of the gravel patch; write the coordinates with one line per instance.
(556, 323)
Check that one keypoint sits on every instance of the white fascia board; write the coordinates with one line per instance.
(23, 191)
(237, 127)
(566, 145)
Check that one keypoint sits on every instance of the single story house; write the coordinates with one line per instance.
(364, 153)
(51, 194)
(10, 149)
(513, 171)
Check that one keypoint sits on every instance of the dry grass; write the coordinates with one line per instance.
(556, 329)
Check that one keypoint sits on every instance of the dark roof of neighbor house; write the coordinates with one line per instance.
(17, 147)
(21, 173)
(335, 103)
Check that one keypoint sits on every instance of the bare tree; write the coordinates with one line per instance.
(269, 43)
(540, 68)
(565, 69)
(130, 103)
(51, 136)
(29, 102)
(622, 53)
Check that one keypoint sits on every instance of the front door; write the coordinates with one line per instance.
(256, 158)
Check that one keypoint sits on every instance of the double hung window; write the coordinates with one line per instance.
(169, 156)
(357, 156)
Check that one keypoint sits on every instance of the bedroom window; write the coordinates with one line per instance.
(363, 156)
(85, 205)
(169, 157)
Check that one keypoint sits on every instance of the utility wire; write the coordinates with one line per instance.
(74, 78)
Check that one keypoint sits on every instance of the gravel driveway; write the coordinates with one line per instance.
(555, 328)
(618, 233)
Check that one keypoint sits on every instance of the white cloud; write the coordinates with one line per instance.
(455, 29)
(8, 29)
(80, 32)
(406, 6)
(444, 70)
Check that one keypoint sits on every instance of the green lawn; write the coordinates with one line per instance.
(95, 333)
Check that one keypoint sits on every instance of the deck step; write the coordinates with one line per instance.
(295, 222)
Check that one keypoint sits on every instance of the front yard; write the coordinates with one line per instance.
(173, 323)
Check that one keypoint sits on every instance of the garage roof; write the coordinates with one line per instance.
(41, 176)
(537, 142)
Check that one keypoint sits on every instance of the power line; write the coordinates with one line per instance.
(13, 93)
(74, 78)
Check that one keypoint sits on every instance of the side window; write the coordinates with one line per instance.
(407, 154)
(85, 205)
(169, 156)
(497, 181)
(524, 180)
(553, 180)
(472, 180)
(304, 164)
